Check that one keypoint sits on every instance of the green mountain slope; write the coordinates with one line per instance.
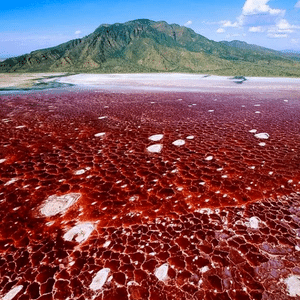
(148, 46)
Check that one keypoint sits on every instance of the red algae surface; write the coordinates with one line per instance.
(150, 195)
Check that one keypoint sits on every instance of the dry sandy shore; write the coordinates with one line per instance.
(160, 82)
(25, 80)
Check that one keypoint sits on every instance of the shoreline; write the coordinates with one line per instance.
(157, 82)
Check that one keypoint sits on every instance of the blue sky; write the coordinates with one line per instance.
(30, 25)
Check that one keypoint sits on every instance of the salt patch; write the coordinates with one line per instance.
(253, 130)
(156, 137)
(79, 172)
(190, 137)
(297, 248)
(211, 110)
(99, 134)
(106, 244)
(103, 117)
(156, 148)
(11, 181)
(293, 285)
(204, 269)
(253, 222)
(257, 112)
(162, 272)
(13, 292)
(262, 135)
(57, 204)
(81, 231)
(2, 160)
(209, 157)
(21, 126)
(99, 280)
(262, 144)
(178, 143)
(256, 104)
(286, 100)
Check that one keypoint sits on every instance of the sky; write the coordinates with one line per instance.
(26, 26)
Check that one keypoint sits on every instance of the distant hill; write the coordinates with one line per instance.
(148, 46)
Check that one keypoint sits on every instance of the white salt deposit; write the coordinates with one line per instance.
(13, 292)
(253, 130)
(178, 143)
(103, 117)
(11, 181)
(79, 172)
(21, 126)
(162, 272)
(211, 110)
(256, 104)
(253, 222)
(156, 148)
(99, 134)
(81, 231)
(293, 285)
(257, 112)
(58, 204)
(209, 157)
(204, 269)
(156, 137)
(106, 244)
(2, 160)
(286, 100)
(262, 135)
(100, 279)
(190, 137)
(262, 144)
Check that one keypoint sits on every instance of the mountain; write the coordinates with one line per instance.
(148, 46)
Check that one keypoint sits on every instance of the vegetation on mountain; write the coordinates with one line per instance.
(148, 46)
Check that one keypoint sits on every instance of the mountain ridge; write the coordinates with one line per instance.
(148, 46)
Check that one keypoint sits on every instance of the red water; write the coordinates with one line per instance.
(173, 207)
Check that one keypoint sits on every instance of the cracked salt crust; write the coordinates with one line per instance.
(178, 143)
(81, 231)
(156, 148)
(58, 204)
(13, 292)
(100, 279)
(156, 137)
(162, 272)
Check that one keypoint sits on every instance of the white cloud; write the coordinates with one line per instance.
(297, 5)
(277, 35)
(256, 29)
(188, 23)
(77, 32)
(295, 41)
(226, 23)
(221, 30)
(252, 7)
(283, 26)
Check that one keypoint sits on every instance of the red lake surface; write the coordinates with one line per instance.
(89, 210)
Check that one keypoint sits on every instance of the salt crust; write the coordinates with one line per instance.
(82, 232)
(190, 137)
(162, 272)
(253, 222)
(293, 285)
(253, 130)
(58, 204)
(178, 143)
(262, 135)
(100, 279)
(99, 134)
(156, 137)
(209, 157)
(13, 292)
(2, 160)
(262, 144)
(156, 148)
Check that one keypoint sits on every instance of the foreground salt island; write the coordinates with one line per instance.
(150, 186)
